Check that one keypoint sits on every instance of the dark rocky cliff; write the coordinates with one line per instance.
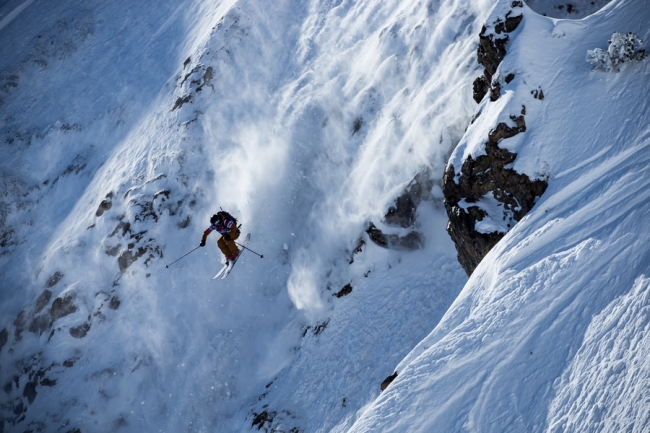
(489, 175)
(491, 51)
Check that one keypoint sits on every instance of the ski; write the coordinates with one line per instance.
(220, 272)
(241, 251)
(225, 271)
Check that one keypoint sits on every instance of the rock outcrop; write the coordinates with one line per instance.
(487, 175)
(36, 371)
(402, 214)
(485, 198)
(388, 381)
(491, 51)
(411, 241)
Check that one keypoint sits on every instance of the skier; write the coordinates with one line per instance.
(226, 225)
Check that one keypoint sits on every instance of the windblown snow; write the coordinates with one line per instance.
(126, 125)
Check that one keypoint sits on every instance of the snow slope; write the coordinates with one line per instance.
(128, 125)
(550, 332)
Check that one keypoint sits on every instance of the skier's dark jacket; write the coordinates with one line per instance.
(227, 228)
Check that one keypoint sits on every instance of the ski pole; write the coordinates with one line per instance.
(167, 266)
(261, 256)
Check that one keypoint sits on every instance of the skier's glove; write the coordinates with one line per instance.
(202, 244)
(227, 237)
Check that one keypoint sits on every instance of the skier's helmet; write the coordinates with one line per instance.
(215, 218)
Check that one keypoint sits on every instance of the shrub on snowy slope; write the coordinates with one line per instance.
(622, 48)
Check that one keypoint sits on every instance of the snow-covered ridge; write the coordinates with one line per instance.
(525, 346)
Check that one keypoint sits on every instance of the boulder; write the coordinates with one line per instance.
(388, 381)
(62, 307)
(411, 241)
(402, 213)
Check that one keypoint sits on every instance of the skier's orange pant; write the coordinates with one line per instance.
(228, 247)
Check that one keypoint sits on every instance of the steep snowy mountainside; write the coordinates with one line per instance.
(63, 113)
(549, 333)
(306, 120)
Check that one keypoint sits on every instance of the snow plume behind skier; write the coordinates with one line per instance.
(226, 225)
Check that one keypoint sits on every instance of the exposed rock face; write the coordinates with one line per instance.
(412, 241)
(19, 325)
(182, 100)
(487, 175)
(127, 258)
(484, 182)
(42, 301)
(79, 312)
(105, 205)
(263, 419)
(80, 331)
(402, 214)
(4, 337)
(346, 290)
(40, 324)
(62, 307)
(388, 381)
(54, 279)
(33, 372)
(30, 391)
(269, 421)
(491, 51)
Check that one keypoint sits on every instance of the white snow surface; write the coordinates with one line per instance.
(550, 333)
(306, 120)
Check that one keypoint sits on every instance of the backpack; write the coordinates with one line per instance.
(226, 216)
